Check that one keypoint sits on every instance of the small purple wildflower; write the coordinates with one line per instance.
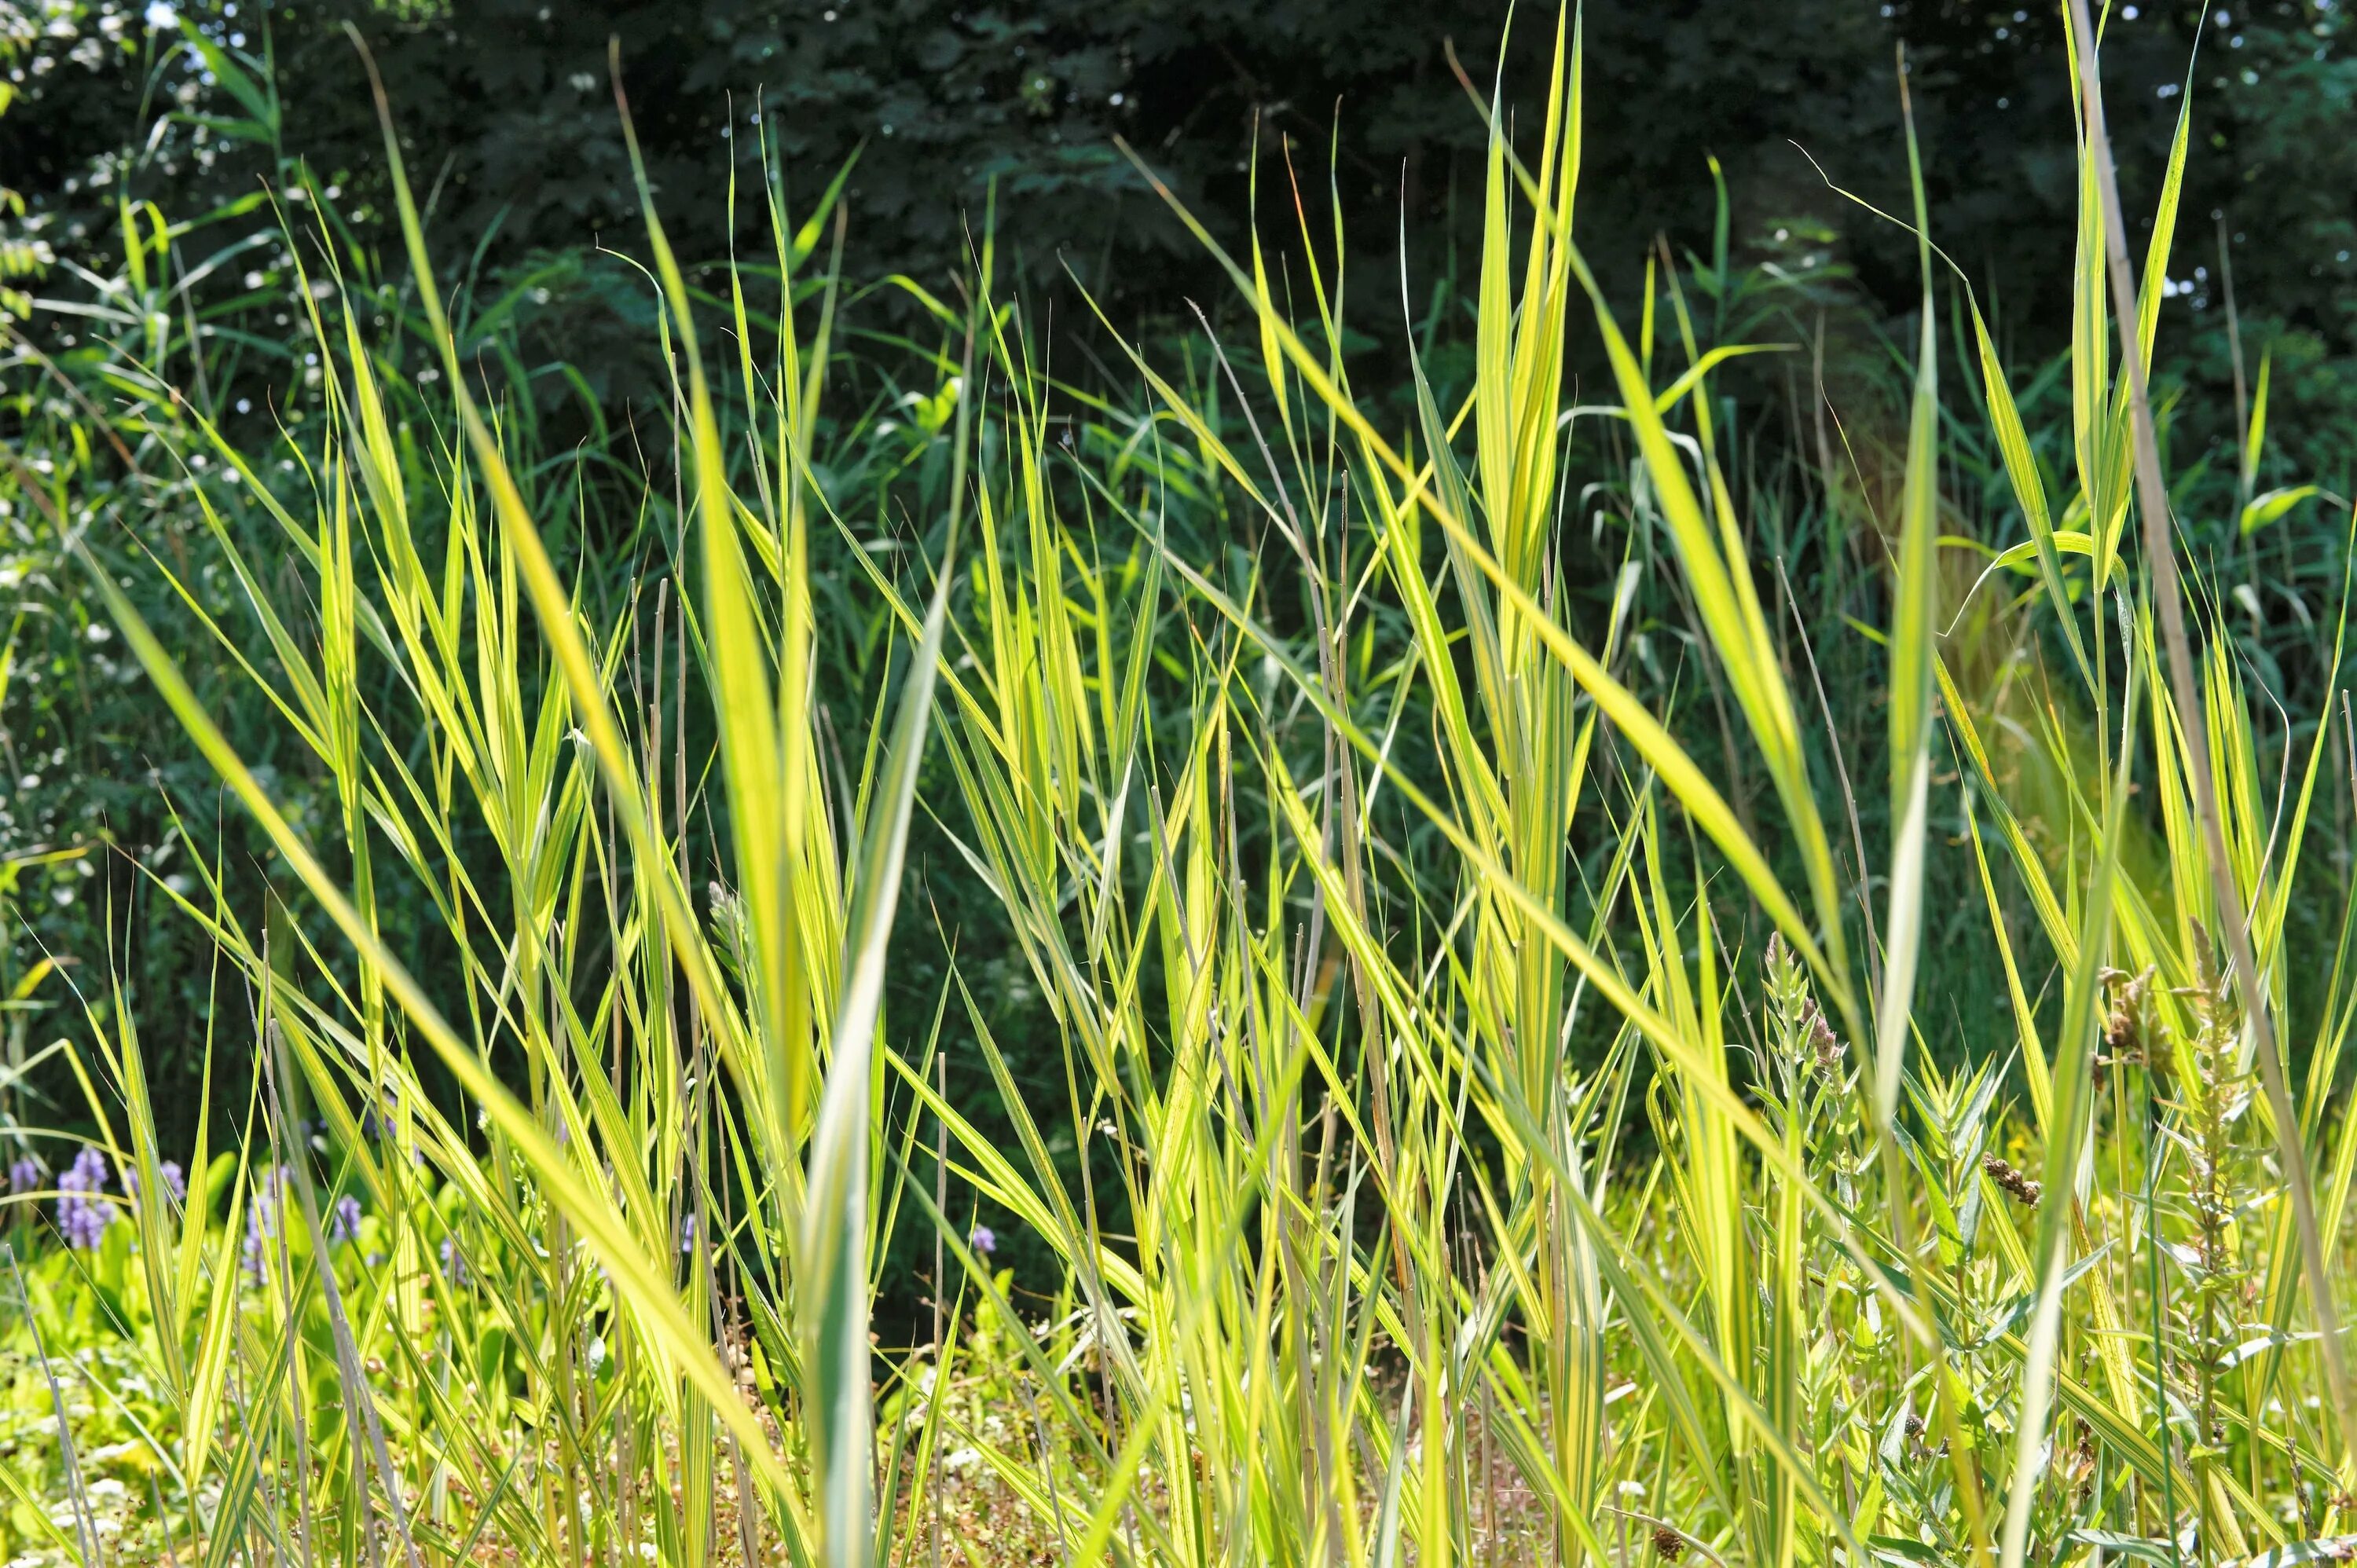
(984, 1241)
(81, 1219)
(24, 1174)
(453, 1261)
(687, 1235)
(176, 1180)
(262, 1221)
(344, 1220)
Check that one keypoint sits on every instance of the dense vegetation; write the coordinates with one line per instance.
(529, 204)
(1525, 895)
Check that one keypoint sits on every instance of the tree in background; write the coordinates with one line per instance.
(507, 109)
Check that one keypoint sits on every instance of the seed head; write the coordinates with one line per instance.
(2124, 1026)
(1668, 1544)
(2019, 1187)
(1824, 1044)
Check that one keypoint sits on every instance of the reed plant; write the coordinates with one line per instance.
(1480, 1138)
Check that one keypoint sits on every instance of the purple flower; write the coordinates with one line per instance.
(453, 1261)
(82, 1219)
(176, 1180)
(344, 1220)
(984, 1241)
(262, 1221)
(25, 1175)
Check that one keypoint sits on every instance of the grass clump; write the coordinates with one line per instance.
(1478, 1136)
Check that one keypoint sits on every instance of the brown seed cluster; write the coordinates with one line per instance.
(2082, 1468)
(1668, 1544)
(2125, 1023)
(2122, 1026)
(2024, 1190)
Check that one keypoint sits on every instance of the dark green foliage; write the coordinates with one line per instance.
(506, 106)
